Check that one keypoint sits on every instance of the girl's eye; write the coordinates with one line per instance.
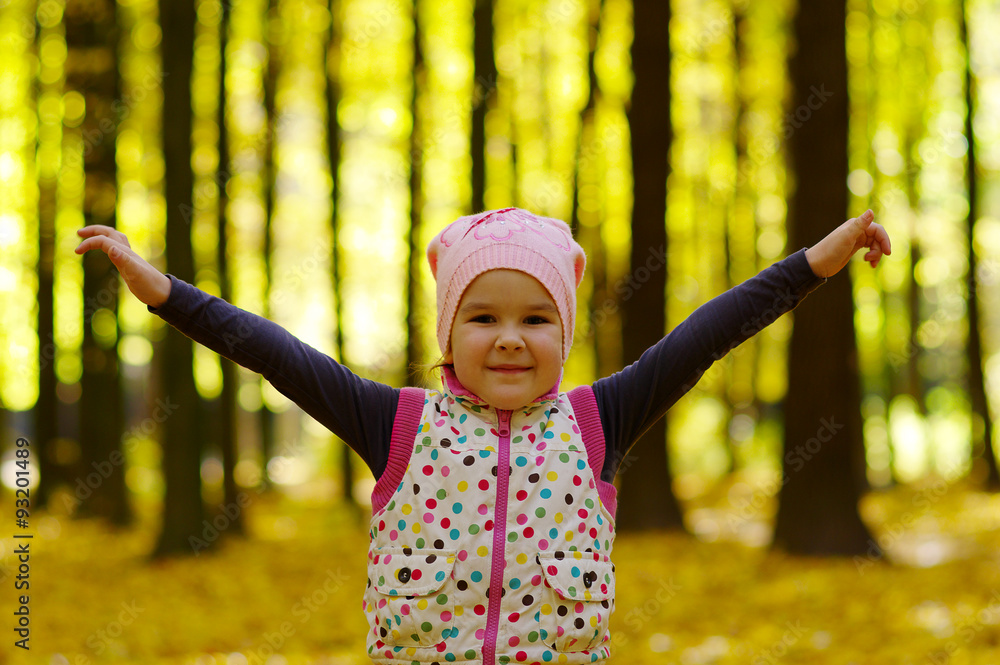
(536, 320)
(483, 318)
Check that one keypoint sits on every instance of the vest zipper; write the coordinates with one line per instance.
(499, 558)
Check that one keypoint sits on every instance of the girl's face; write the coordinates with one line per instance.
(506, 341)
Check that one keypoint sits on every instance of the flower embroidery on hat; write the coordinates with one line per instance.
(501, 225)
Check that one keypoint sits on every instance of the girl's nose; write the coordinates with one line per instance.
(509, 340)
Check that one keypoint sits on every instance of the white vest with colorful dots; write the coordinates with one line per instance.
(470, 565)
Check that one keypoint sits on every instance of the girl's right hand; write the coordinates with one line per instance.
(145, 282)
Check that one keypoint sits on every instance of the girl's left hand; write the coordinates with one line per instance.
(831, 254)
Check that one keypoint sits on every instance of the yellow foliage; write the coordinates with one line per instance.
(294, 586)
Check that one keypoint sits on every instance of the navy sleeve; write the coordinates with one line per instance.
(359, 411)
(631, 400)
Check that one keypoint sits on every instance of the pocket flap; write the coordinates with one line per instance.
(579, 575)
(403, 571)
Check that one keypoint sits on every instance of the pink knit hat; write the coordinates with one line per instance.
(512, 239)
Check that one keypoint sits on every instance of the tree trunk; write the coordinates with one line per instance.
(911, 380)
(91, 70)
(414, 347)
(267, 441)
(46, 411)
(333, 149)
(740, 243)
(485, 76)
(227, 398)
(982, 423)
(824, 450)
(183, 528)
(646, 500)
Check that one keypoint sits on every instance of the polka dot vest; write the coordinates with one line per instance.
(495, 546)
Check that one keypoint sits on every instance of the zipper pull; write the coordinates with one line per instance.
(504, 422)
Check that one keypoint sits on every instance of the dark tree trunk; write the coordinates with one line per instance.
(646, 500)
(414, 347)
(270, 77)
(739, 402)
(485, 77)
(982, 428)
(227, 398)
(333, 149)
(905, 375)
(46, 410)
(183, 528)
(824, 450)
(91, 70)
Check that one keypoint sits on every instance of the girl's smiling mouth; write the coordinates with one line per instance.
(509, 369)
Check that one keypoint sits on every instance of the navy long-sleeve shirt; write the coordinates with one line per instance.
(361, 411)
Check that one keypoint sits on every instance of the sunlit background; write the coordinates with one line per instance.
(726, 206)
(726, 213)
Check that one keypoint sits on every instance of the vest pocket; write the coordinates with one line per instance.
(575, 615)
(413, 604)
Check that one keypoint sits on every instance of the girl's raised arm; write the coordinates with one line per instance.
(145, 282)
(358, 410)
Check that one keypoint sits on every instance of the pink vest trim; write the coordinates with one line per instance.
(589, 418)
(404, 431)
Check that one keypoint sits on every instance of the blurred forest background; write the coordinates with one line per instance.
(295, 157)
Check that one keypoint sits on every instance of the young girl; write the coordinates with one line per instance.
(493, 512)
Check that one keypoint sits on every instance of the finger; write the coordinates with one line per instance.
(881, 236)
(874, 255)
(865, 219)
(94, 229)
(121, 257)
(102, 230)
(101, 242)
